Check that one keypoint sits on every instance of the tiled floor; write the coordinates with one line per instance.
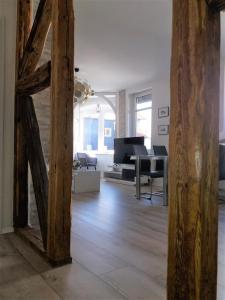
(119, 249)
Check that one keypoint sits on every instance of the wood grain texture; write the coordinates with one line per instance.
(193, 149)
(217, 5)
(117, 240)
(24, 21)
(36, 82)
(37, 164)
(24, 25)
(61, 132)
(36, 41)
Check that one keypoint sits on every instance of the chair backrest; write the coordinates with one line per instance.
(222, 162)
(142, 150)
(82, 157)
(159, 150)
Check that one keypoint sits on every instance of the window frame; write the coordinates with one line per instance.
(139, 95)
(101, 137)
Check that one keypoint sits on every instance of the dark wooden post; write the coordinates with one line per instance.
(61, 148)
(36, 41)
(193, 150)
(216, 4)
(24, 22)
(35, 82)
(29, 80)
(37, 163)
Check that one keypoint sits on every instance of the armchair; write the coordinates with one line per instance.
(86, 160)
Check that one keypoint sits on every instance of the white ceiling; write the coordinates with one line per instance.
(121, 43)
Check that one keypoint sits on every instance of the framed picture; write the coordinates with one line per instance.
(163, 112)
(163, 129)
(108, 132)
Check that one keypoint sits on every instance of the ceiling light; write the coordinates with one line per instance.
(82, 91)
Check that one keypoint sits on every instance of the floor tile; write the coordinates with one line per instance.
(75, 282)
(6, 248)
(135, 285)
(14, 267)
(119, 248)
(32, 288)
(31, 256)
(94, 258)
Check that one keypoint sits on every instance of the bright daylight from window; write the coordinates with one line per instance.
(144, 118)
(94, 126)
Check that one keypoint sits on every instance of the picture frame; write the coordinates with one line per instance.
(163, 112)
(107, 132)
(163, 129)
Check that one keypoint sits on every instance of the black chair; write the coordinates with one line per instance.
(159, 167)
(140, 150)
(145, 168)
(87, 161)
(145, 164)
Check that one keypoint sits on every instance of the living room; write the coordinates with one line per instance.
(131, 114)
(116, 80)
(116, 69)
(109, 237)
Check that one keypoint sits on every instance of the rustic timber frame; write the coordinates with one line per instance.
(52, 191)
(193, 150)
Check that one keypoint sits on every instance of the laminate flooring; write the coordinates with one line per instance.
(119, 250)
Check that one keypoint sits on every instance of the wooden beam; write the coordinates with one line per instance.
(193, 150)
(61, 137)
(36, 41)
(24, 24)
(35, 82)
(24, 20)
(37, 163)
(217, 5)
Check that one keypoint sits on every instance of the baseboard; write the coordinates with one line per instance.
(119, 181)
(7, 230)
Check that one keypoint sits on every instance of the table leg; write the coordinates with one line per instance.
(138, 182)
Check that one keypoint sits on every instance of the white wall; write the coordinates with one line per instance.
(160, 97)
(160, 90)
(121, 114)
(7, 84)
(105, 161)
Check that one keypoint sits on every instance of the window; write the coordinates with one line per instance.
(144, 118)
(94, 126)
(109, 134)
(90, 134)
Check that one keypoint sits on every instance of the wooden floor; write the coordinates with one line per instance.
(119, 249)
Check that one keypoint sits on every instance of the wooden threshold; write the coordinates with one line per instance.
(32, 236)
